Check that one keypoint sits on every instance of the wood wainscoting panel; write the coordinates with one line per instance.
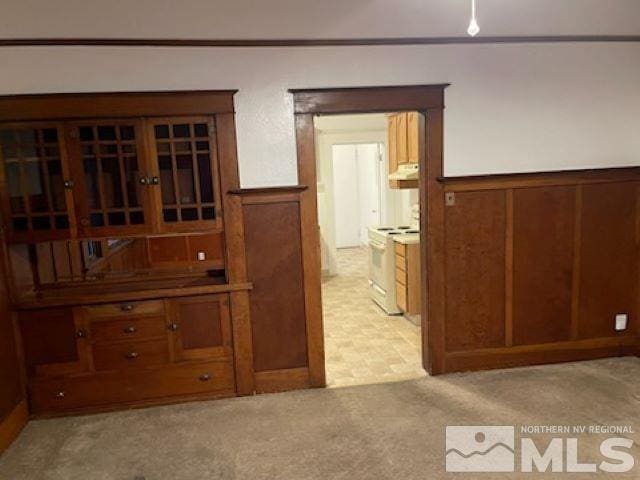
(274, 266)
(609, 258)
(543, 239)
(475, 272)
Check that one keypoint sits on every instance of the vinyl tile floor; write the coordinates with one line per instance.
(364, 345)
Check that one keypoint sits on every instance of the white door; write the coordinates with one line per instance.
(345, 191)
(356, 188)
(369, 201)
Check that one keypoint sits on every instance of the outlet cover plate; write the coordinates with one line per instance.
(621, 322)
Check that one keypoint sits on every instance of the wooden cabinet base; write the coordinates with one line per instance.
(143, 387)
(11, 426)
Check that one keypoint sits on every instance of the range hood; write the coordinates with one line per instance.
(406, 171)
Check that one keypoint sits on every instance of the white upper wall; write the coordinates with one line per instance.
(312, 18)
(510, 108)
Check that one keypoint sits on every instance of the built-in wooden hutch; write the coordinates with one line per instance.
(126, 275)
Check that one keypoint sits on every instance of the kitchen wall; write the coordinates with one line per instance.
(510, 108)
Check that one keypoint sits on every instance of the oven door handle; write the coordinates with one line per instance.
(377, 246)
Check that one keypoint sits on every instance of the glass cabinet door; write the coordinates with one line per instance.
(35, 181)
(113, 190)
(185, 152)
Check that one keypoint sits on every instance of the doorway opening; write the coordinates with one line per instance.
(368, 213)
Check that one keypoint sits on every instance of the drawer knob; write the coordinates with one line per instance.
(81, 333)
(126, 308)
(60, 394)
(129, 329)
(205, 377)
(173, 327)
(132, 355)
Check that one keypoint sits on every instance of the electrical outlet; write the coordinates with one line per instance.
(450, 199)
(202, 256)
(621, 322)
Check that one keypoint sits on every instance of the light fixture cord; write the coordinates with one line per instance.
(473, 9)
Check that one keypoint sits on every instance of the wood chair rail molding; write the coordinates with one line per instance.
(428, 99)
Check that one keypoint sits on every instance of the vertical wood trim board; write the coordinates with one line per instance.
(310, 244)
(508, 271)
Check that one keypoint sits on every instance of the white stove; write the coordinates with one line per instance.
(382, 267)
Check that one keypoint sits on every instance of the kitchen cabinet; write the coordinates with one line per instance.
(403, 135)
(408, 283)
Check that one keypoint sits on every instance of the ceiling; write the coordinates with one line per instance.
(312, 19)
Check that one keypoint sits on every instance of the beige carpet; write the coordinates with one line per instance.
(386, 431)
(363, 344)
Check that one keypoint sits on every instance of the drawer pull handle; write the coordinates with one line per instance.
(173, 327)
(205, 377)
(60, 394)
(129, 329)
(126, 308)
(132, 355)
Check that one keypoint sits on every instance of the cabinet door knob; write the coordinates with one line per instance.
(81, 333)
(129, 329)
(59, 394)
(144, 181)
(155, 181)
(132, 355)
(205, 377)
(126, 308)
(173, 327)
(68, 184)
(84, 222)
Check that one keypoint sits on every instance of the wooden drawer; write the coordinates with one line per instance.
(106, 389)
(117, 356)
(133, 328)
(401, 262)
(401, 276)
(401, 249)
(151, 307)
(401, 296)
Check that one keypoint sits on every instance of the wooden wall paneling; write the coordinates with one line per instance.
(543, 264)
(609, 259)
(12, 424)
(475, 271)
(10, 378)
(432, 238)
(235, 265)
(275, 267)
(310, 233)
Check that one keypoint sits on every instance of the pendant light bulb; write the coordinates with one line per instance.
(474, 28)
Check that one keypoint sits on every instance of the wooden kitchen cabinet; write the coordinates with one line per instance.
(408, 283)
(403, 135)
